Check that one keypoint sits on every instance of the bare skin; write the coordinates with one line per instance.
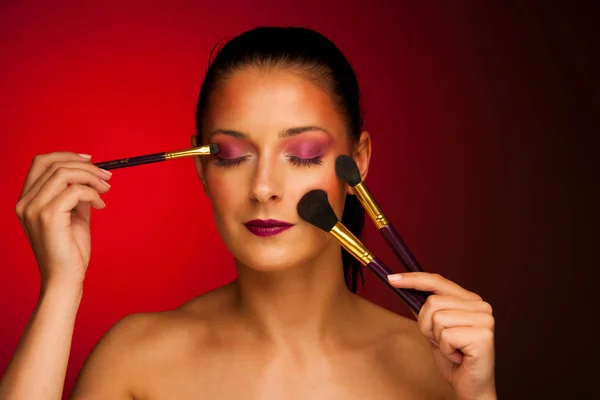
(206, 349)
(288, 327)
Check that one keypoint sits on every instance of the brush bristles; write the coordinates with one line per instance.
(214, 148)
(346, 169)
(315, 209)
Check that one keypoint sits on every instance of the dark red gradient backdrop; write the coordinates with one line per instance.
(471, 111)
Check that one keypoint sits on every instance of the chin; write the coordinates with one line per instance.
(265, 254)
(286, 250)
(275, 257)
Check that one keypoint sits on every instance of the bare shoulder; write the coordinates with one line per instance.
(142, 346)
(406, 353)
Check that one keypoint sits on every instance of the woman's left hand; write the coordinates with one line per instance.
(460, 326)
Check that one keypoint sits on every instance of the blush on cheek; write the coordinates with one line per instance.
(219, 189)
(335, 194)
(324, 181)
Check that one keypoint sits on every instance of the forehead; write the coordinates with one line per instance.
(260, 102)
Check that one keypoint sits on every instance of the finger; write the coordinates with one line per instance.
(435, 303)
(34, 189)
(59, 181)
(455, 318)
(84, 210)
(434, 283)
(59, 209)
(472, 342)
(41, 162)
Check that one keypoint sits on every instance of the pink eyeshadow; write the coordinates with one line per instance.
(229, 150)
(308, 148)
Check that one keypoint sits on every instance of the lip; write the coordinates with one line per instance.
(267, 227)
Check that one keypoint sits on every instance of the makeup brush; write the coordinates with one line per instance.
(347, 170)
(157, 157)
(314, 208)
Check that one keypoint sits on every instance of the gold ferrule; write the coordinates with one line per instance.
(369, 203)
(196, 151)
(351, 243)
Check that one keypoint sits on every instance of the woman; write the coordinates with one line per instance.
(281, 103)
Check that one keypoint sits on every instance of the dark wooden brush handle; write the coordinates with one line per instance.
(414, 298)
(400, 248)
(132, 161)
(402, 252)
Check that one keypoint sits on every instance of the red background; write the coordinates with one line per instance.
(472, 111)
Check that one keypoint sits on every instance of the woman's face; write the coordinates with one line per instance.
(278, 135)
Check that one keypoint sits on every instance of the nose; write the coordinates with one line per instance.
(266, 185)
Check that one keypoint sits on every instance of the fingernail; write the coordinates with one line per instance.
(106, 183)
(106, 172)
(436, 344)
(103, 203)
(394, 277)
(85, 155)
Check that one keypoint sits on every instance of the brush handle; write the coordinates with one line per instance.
(402, 252)
(414, 298)
(400, 248)
(132, 161)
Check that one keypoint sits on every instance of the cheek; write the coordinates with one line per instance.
(336, 193)
(222, 191)
(328, 182)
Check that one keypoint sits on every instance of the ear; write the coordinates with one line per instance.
(362, 156)
(198, 163)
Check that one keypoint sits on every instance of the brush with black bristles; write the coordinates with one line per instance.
(315, 209)
(347, 170)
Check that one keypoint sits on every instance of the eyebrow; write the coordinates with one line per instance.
(298, 130)
(229, 132)
(283, 134)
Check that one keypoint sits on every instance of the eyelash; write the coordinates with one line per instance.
(297, 161)
(305, 162)
(225, 162)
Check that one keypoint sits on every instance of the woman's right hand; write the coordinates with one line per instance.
(54, 210)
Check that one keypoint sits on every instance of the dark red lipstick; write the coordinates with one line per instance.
(267, 227)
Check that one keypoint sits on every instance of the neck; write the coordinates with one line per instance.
(304, 304)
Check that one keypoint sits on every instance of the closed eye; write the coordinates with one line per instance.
(230, 162)
(297, 161)
(305, 162)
